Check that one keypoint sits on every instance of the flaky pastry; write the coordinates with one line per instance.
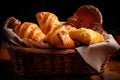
(60, 37)
(47, 21)
(31, 34)
(86, 36)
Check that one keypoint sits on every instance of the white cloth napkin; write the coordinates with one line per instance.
(96, 54)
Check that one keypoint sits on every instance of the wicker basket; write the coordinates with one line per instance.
(35, 62)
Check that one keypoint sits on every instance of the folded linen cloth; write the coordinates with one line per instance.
(96, 54)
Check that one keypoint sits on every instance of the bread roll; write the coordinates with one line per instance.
(47, 21)
(86, 36)
(60, 37)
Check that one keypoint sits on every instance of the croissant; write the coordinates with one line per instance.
(68, 28)
(47, 21)
(31, 34)
(86, 36)
(60, 38)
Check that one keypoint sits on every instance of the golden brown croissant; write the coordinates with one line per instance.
(68, 28)
(60, 38)
(86, 36)
(31, 34)
(47, 21)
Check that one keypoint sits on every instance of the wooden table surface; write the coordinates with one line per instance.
(112, 70)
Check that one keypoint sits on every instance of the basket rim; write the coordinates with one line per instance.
(38, 50)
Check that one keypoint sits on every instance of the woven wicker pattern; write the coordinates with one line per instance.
(33, 62)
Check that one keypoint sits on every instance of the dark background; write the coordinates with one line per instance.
(26, 10)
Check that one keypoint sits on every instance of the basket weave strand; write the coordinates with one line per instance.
(35, 62)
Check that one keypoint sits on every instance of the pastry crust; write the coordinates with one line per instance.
(31, 34)
(47, 21)
(86, 36)
(25, 29)
(60, 37)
